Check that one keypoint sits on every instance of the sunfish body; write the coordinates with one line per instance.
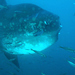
(24, 27)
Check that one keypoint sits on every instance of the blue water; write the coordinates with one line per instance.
(56, 61)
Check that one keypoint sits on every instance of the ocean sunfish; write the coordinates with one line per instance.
(26, 26)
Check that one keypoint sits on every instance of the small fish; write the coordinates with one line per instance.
(72, 57)
(71, 63)
(38, 33)
(66, 48)
(11, 73)
(42, 73)
(39, 53)
(12, 59)
(18, 45)
(2, 7)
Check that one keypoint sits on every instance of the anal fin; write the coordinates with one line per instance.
(10, 57)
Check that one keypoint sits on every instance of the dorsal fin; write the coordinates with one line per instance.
(3, 2)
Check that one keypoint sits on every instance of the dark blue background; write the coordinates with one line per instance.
(56, 61)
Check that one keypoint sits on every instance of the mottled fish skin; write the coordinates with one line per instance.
(26, 22)
(12, 21)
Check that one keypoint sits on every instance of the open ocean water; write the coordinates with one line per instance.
(57, 60)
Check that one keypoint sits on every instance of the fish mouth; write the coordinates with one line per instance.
(23, 44)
